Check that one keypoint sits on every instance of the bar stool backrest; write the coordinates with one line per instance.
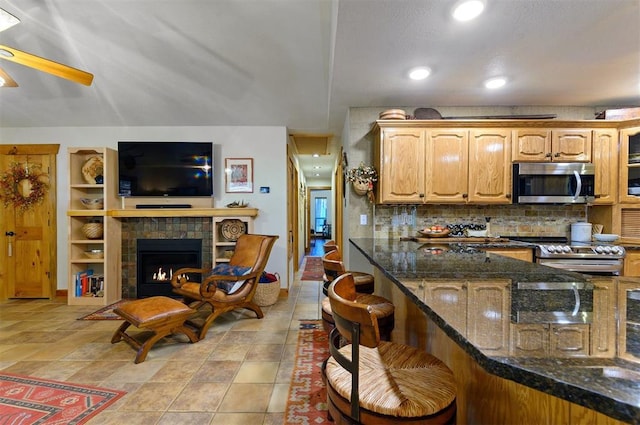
(333, 265)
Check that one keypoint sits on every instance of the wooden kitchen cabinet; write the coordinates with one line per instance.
(629, 319)
(490, 169)
(529, 339)
(631, 264)
(603, 327)
(488, 315)
(630, 165)
(443, 165)
(448, 298)
(401, 162)
(557, 145)
(605, 161)
(545, 339)
(477, 309)
(447, 166)
(524, 254)
(569, 340)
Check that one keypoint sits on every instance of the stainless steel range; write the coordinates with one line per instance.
(589, 258)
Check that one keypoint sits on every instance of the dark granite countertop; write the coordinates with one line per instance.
(606, 383)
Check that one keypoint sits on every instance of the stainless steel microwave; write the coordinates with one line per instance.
(553, 183)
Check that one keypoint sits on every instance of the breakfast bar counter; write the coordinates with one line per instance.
(527, 343)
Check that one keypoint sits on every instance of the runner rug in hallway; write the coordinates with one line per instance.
(313, 269)
(27, 400)
(307, 401)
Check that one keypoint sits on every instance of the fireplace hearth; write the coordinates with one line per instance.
(158, 259)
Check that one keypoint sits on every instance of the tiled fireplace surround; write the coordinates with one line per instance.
(160, 228)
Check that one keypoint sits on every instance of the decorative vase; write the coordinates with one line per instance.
(361, 187)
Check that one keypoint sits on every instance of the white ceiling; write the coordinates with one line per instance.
(302, 63)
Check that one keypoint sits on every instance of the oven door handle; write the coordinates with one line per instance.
(578, 186)
(576, 295)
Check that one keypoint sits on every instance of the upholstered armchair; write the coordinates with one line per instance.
(228, 286)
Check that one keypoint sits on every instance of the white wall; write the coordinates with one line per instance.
(266, 145)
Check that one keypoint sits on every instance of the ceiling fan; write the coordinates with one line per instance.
(36, 62)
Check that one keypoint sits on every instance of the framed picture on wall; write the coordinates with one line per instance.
(238, 174)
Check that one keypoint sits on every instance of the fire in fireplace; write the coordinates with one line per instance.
(157, 259)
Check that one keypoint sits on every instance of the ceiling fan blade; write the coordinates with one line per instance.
(45, 65)
(8, 81)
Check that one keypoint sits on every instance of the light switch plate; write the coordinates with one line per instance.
(363, 219)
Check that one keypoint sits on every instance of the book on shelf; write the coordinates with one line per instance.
(89, 284)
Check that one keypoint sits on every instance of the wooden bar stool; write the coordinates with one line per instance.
(329, 246)
(163, 315)
(370, 381)
(382, 308)
(334, 267)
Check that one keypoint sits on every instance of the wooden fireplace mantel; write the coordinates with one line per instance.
(183, 212)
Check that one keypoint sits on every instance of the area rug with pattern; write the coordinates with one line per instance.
(313, 269)
(26, 400)
(307, 400)
(105, 313)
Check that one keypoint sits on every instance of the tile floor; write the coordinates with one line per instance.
(238, 374)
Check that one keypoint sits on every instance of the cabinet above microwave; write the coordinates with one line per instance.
(552, 145)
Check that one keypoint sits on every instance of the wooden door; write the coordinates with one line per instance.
(402, 166)
(571, 145)
(531, 145)
(490, 166)
(605, 161)
(28, 249)
(447, 166)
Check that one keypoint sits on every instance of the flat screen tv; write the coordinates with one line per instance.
(165, 169)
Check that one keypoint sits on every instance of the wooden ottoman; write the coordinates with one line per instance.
(163, 315)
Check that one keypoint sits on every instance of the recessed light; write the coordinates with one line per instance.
(7, 20)
(419, 73)
(495, 83)
(468, 10)
(316, 167)
(315, 155)
(317, 175)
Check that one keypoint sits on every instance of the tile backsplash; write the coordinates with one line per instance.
(392, 221)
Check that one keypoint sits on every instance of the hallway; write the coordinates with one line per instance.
(239, 374)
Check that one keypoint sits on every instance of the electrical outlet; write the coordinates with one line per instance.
(363, 219)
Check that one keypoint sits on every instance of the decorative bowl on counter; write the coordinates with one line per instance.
(434, 233)
(605, 237)
(92, 203)
(94, 254)
(475, 233)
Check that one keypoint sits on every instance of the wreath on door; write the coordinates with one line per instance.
(23, 186)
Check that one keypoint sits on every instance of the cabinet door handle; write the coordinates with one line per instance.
(557, 155)
(465, 195)
(9, 233)
(508, 196)
(548, 155)
(421, 195)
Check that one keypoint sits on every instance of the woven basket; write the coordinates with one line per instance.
(92, 230)
(361, 188)
(267, 293)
